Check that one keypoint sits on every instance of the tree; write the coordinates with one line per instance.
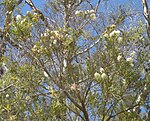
(73, 61)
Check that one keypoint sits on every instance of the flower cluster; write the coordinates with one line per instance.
(115, 33)
(119, 58)
(91, 14)
(102, 75)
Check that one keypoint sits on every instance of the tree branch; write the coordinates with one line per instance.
(147, 16)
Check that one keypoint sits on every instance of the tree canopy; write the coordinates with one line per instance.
(75, 60)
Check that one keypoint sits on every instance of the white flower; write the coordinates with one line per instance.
(55, 42)
(101, 70)
(91, 11)
(105, 35)
(45, 74)
(55, 33)
(93, 16)
(28, 98)
(115, 33)
(65, 63)
(18, 17)
(119, 58)
(45, 34)
(28, 13)
(104, 76)
(97, 75)
(133, 54)
(129, 111)
(120, 39)
(124, 81)
(7, 95)
(138, 99)
(4, 68)
(23, 21)
(79, 13)
(47, 30)
(74, 87)
(130, 59)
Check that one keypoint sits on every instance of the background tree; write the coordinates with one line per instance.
(74, 60)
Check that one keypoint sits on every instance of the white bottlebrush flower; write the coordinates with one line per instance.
(97, 75)
(18, 17)
(105, 35)
(91, 11)
(115, 33)
(79, 13)
(133, 54)
(120, 39)
(101, 70)
(93, 16)
(138, 99)
(104, 76)
(87, 11)
(74, 87)
(45, 34)
(28, 98)
(4, 68)
(124, 81)
(55, 33)
(129, 111)
(65, 63)
(130, 59)
(55, 42)
(23, 21)
(7, 95)
(28, 13)
(35, 47)
(119, 58)
(45, 74)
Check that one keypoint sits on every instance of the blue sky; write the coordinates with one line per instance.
(135, 3)
(38, 4)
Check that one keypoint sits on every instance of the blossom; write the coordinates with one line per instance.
(130, 59)
(104, 76)
(119, 58)
(18, 17)
(91, 11)
(124, 81)
(28, 98)
(112, 26)
(105, 35)
(120, 39)
(23, 21)
(7, 95)
(28, 13)
(138, 99)
(74, 87)
(55, 42)
(45, 34)
(97, 75)
(133, 54)
(114, 33)
(101, 70)
(55, 33)
(45, 74)
(34, 48)
(65, 63)
(79, 13)
(93, 16)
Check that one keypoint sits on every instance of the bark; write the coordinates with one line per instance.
(146, 15)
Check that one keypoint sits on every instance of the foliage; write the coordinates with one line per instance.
(73, 64)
